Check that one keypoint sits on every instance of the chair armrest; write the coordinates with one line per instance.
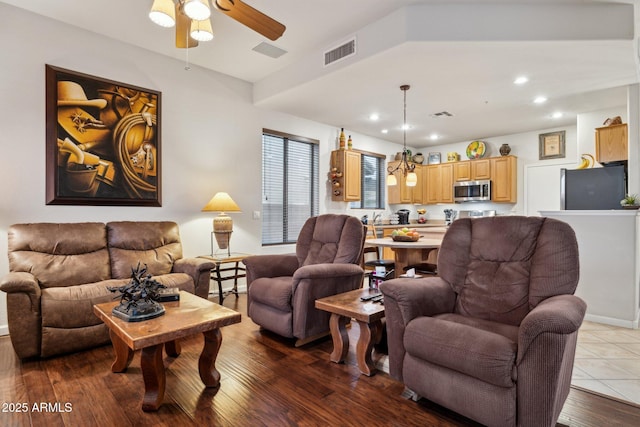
(270, 266)
(18, 281)
(560, 314)
(405, 300)
(322, 271)
(199, 269)
(418, 297)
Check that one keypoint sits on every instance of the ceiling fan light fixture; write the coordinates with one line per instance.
(197, 9)
(201, 30)
(163, 13)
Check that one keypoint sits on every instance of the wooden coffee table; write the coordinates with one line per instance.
(189, 316)
(369, 317)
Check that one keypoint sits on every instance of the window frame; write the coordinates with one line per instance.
(380, 191)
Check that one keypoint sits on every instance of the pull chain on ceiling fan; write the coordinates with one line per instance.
(191, 19)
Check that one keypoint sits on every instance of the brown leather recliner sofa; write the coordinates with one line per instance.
(494, 337)
(58, 271)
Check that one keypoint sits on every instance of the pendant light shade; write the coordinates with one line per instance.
(163, 13)
(412, 179)
(197, 9)
(201, 30)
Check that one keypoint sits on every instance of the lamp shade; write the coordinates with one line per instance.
(197, 9)
(163, 13)
(391, 180)
(412, 179)
(201, 30)
(221, 202)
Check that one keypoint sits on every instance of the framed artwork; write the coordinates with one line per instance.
(434, 158)
(102, 141)
(552, 145)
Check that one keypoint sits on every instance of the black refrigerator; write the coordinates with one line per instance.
(593, 189)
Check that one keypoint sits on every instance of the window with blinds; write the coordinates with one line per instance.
(373, 182)
(289, 185)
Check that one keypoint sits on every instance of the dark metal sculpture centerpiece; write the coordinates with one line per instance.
(138, 298)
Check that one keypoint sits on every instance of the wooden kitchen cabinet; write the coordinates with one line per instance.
(438, 183)
(346, 187)
(399, 193)
(612, 143)
(504, 179)
(472, 170)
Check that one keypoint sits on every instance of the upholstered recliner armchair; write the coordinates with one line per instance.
(494, 337)
(282, 289)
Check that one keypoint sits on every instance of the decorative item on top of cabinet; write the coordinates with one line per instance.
(612, 143)
(418, 158)
(505, 150)
(341, 139)
(504, 179)
(345, 175)
(452, 156)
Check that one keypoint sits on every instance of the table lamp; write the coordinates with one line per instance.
(222, 224)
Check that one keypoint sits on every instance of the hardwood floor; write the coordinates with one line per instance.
(266, 381)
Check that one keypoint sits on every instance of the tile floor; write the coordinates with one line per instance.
(608, 361)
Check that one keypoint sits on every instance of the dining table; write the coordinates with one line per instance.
(407, 253)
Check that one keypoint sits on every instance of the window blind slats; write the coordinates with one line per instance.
(289, 187)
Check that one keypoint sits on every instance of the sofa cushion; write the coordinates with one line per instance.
(72, 307)
(274, 291)
(471, 350)
(59, 254)
(154, 244)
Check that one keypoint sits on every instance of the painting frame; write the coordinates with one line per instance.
(552, 145)
(434, 159)
(103, 141)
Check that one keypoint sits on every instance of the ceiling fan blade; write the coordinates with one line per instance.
(183, 27)
(252, 18)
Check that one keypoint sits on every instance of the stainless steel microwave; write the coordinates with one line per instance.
(472, 191)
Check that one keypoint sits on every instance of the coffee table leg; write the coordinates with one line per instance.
(124, 354)
(154, 377)
(340, 337)
(368, 331)
(172, 348)
(207, 362)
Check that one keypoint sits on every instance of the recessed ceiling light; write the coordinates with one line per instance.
(521, 80)
(385, 131)
(406, 126)
(433, 136)
(557, 115)
(374, 117)
(540, 100)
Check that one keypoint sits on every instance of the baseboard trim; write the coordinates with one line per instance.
(631, 324)
(4, 330)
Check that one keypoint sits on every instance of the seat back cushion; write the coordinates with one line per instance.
(502, 267)
(331, 238)
(154, 243)
(60, 254)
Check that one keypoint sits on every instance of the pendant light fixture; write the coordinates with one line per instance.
(407, 170)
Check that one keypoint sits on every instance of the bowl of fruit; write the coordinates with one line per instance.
(405, 235)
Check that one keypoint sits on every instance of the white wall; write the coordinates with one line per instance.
(211, 134)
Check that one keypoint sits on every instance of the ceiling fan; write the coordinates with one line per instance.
(191, 19)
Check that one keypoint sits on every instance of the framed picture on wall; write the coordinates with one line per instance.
(552, 145)
(434, 158)
(102, 141)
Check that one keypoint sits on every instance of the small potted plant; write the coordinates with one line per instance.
(630, 201)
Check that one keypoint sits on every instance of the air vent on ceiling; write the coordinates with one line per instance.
(441, 114)
(269, 50)
(341, 52)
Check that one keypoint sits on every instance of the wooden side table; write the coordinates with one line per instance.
(234, 258)
(369, 317)
(188, 316)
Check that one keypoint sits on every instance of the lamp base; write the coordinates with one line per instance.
(222, 228)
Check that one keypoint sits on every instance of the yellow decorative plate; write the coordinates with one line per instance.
(476, 150)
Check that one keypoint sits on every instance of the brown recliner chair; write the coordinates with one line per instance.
(282, 289)
(494, 337)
